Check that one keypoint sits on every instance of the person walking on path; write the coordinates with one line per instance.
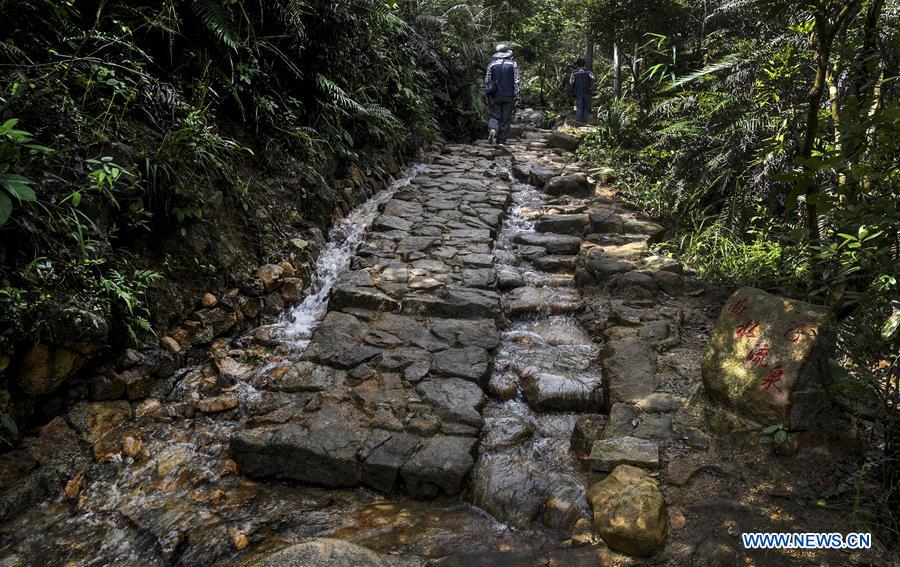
(501, 86)
(581, 81)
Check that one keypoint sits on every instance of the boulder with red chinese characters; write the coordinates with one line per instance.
(767, 359)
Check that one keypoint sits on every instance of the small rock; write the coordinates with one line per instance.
(131, 446)
(503, 386)
(291, 290)
(208, 300)
(270, 276)
(231, 467)
(630, 511)
(240, 541)
(287, 269)
(681, 469)
(170, 344)
(147, 408)
(217, 404)
(73, 486)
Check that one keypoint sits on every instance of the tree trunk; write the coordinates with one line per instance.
(814, 99)
(589, 49)
(703, 32)
(617, 72)
(824, 34)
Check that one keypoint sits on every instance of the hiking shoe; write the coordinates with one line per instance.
(492, 137)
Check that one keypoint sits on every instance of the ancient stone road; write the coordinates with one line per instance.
(504, 336)
(456, 324)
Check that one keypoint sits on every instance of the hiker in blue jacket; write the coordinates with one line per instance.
(501, 85)
(581, 81)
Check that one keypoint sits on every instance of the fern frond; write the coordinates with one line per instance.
(725, 63)
(338, 95)
(217, 19)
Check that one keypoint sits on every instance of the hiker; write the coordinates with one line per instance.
(501, 86)
(581, 81)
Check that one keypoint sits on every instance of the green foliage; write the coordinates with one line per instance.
(776, 434)
(15, 188)
(127, 293)
(159, 112)
(216, 18)
(772, 154)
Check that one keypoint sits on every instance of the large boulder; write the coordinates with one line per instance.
(541, 175)
(629, 365)
(595, 266)
(767, 358)
(607, 454)
(337, 341)
(471, 363)
(454, 301)
(563, 141)
(630, 511)
(575, 185)
(565, 391)
(563, 224)
(381, 466)
(344, 296)
(480, 333)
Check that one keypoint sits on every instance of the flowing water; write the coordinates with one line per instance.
(175, 497)
(535, 458)
(343, 240)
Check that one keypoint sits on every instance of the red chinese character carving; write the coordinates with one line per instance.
(773, 378)
(758, 354)
(748, 329)
(796, 332)
(738, 307)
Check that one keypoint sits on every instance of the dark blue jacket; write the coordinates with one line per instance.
(581, 81)
(505, 75)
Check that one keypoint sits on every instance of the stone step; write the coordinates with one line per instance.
(607, 454)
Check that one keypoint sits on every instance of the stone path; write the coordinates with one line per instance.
(505, 336)
(458, 345)
(394, 376)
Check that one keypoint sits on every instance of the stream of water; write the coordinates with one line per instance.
(343, 240)
(177, 497)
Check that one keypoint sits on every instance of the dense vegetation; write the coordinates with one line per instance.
(130, 129)
(766, 133)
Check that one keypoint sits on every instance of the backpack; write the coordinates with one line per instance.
(490, 87)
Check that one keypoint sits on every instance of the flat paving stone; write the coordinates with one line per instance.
(607, 454)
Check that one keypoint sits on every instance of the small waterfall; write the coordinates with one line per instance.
(343, 240)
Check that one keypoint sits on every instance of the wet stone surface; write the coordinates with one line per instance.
(471, 348)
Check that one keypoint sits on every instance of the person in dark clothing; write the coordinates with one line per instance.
(581, 81)
(501, 85)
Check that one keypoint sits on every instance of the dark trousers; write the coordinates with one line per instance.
(582, 107)
(501, 110)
